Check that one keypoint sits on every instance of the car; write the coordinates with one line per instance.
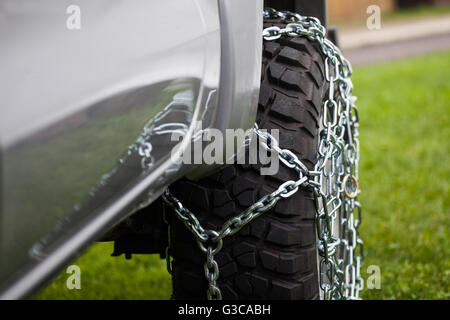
(102, 101)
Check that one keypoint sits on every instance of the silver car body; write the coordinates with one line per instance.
(86, 114)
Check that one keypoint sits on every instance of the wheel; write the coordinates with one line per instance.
(274, 256)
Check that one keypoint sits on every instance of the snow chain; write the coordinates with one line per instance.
(334, 179)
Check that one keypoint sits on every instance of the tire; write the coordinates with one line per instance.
(274, 256)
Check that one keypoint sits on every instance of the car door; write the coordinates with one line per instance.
(84, 84)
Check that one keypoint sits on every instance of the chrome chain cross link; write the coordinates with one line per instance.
(334, 180)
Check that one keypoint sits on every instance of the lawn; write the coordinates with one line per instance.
(404, 173)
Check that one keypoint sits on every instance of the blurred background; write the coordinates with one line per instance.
(402, 81)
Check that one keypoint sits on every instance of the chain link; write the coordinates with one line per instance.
(334, 180)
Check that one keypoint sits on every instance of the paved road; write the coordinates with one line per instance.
(397, 50)
(396, 40)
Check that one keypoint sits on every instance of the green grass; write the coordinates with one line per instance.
(106, 277)
(404, 175)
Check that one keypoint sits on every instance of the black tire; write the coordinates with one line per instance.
(275, 256)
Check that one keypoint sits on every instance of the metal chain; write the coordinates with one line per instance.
(334, 179)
